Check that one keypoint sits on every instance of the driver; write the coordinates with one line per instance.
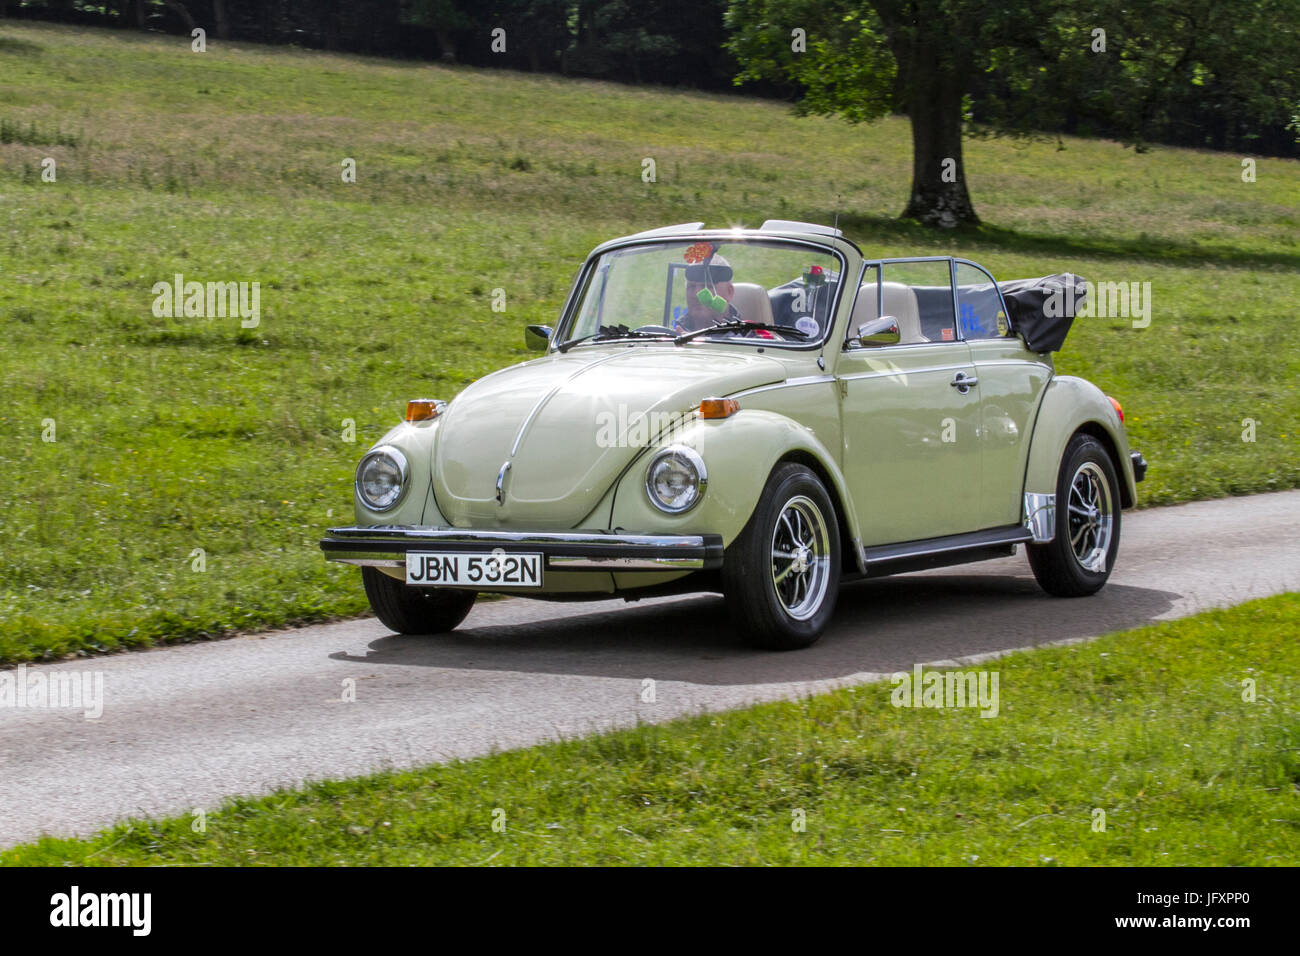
(712, 276)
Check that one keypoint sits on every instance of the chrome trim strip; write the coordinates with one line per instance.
(501, 482)
(960, 366)
(551, 394)
(788, 383)
(474, 536)
(961, 542)
(1040, 516)
(386, 546)
(873, 349)
(956, 307)
(1018, 363)
(568, 563)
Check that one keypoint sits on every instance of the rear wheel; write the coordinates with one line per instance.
(409, 610)
(1080, 558)
(781, 575)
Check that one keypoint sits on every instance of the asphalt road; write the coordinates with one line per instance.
(183, 727)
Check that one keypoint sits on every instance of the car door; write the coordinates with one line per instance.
(911, 449)
(1011, 384)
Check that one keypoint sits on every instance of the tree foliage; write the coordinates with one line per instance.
(1222, 73)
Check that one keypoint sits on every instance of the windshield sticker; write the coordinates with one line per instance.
(807, 325)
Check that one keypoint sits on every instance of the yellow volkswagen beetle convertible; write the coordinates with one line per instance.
(760, 412)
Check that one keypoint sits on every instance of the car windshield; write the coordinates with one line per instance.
(757, 291)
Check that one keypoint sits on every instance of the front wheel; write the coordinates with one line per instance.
(1079, 559)
(781, 575)
(409, 610)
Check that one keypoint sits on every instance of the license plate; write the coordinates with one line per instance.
(441, 568)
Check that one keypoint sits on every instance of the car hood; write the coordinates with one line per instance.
(568, 426)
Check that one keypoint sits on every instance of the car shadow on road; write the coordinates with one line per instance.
(879, 626)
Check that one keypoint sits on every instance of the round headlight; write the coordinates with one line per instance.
(676, 479)
(381, 478)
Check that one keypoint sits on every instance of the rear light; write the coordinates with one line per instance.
(1118, 409)
(424, 409)
(718, 408)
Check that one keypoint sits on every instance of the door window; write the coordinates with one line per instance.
(919, 295)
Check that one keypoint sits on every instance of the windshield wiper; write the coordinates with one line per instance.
(739, 325)
(607, 332)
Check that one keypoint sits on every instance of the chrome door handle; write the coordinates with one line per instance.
(962, 383)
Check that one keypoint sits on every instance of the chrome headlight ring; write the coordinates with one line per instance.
(681, 466)
(381, 465)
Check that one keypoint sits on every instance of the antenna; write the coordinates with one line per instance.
(837, 212)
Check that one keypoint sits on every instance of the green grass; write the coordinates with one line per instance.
(177, 434)
(1149, 726)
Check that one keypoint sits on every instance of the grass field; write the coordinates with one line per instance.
(176, 434)
(1151, 727)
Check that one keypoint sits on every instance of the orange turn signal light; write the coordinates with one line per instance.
(718, 408)
(423, 409)
(1118, 410)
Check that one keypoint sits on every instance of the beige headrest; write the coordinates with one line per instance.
(752, 302)
(899, 301)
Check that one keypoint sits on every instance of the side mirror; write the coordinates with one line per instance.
(537, 337)
(881, 331)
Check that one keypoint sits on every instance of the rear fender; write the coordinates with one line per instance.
(1072, 405)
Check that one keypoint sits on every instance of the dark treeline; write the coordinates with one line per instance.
(670, 42)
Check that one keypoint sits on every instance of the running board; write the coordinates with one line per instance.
(885, 559)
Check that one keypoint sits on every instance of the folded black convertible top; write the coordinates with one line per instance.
(1042, 310)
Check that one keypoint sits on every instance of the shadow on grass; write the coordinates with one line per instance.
(20, 47)
(1150, 249)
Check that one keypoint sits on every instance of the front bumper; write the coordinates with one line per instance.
(386, 546)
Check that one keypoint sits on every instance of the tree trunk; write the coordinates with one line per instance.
(939, 197)
(222, 21)
(446, 45)
(180, 11)
(332, 25)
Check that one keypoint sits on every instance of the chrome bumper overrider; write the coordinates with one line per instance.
(1040, 516)
(387, 546)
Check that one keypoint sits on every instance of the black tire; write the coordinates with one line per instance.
(409, 610)
(771, 615)
(1079, 559)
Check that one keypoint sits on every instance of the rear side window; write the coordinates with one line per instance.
(979, 306)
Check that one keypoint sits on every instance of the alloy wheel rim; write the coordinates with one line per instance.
(800, 562)
(1090, 518)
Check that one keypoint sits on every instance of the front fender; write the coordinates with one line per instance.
(414, 440)
(1069, 405)
(739, 453)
